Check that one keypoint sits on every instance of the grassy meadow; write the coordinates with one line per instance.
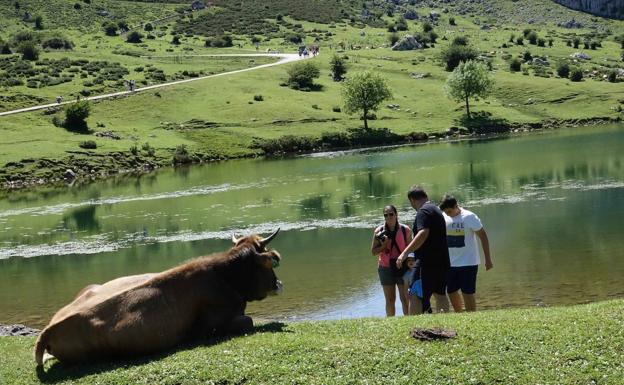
(581, 344)
(220, 118)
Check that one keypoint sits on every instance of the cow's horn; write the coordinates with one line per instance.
(234, 239)
(265, 241)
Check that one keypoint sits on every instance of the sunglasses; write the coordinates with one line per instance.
(386, 215)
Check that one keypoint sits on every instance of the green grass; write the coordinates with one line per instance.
(581, 344)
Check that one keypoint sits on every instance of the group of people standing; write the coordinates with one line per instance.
(437, 257)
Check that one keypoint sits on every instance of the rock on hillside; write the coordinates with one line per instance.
(607, 8)
(407, 43)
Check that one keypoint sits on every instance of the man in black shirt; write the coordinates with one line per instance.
(430, 246)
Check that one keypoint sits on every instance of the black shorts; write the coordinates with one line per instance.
(462, 278)
(433, 281)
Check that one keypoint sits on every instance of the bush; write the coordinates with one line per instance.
(5, 49)
(28, 50)
(149, 150)
(455, 54)
(336, 109)
(612, 76)
(541, 42)
(460, 40)
(76, 115)
(301, 75)
(293, 38)
(594, 44)
(38, 22)
(401, 24)
(393, 38)
(576, 74)
(527, 57)
(532, 37)
(575, 42)
(77, 6)
(520, 41)
(563, 69)
(550, 42)
(175, 40)
(426, 27)
(338, 68)
(451, 21)
(134, 150)
(134, 37)
(515, 65)
(110, 28)
(148, 27)
(57, 42)
(258, 98)
(219, 41)
(88, 144)
(181, 155)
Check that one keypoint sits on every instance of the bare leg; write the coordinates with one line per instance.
(456, 301)
(442, 303)
(403, 298)
(390, 295)
(470, 301)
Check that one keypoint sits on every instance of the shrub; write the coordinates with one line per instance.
(77, 6)
(57, 42)
(175, 40)
(563, 69)
(401, 24)
(301, 75)
(134, 150)
(520, 41)
(612, 76)
(38, 22)
(336, 109)
(393, 38)
(541, 42)
(28, 50)
(181, 155)
(451, 21)
(88, 144)
(338, 67)
(576, 74)
(75, 115)
(527, 57)
(134, 37)
(455, 54)
(148, 27)
(149, 150)
(511, 38)
(460, 40)
(550, 42)
(575, 42)
(5, 49)
(293, 38)
(219, 41)
(532, 37)
(515, 65)
(110, 28)
(426, 27)
(258, 98)
(594, 44)
(586, 45)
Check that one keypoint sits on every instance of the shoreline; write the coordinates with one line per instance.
(76, 169)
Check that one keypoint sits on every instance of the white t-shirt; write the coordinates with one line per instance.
(461, 238)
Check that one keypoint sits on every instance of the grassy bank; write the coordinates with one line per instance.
(568, 345)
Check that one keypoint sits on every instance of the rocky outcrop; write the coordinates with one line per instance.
(613, 9)
(408, 43)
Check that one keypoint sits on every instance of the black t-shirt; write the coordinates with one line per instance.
(434, 252)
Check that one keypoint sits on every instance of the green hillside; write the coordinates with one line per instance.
(240, 115)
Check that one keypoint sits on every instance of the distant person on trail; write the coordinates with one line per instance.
(59, 99)
(429, 243)
(389, 240)
(462, 228)
(132, 85)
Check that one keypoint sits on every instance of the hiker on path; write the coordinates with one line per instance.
(462, 229)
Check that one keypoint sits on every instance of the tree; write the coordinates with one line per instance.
(470, 79)
(134, 37)
(576, 74)
(29, 50)
(76, 115)
(175, 40)
(364, 92)
(515, 65)
(338, 67)
(38, 22)
(301, 75)
(563, 69)
(454, 54)
(401, 24)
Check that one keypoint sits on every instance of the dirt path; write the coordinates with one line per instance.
(285, 58)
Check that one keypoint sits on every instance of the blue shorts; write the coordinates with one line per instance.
(462, 278)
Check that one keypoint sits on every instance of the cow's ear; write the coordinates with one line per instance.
(264, 260)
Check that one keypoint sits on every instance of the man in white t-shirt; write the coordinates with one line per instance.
(462, 229)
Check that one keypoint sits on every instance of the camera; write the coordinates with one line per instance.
(381, 236)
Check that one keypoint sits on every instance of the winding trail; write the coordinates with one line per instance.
(285, 59)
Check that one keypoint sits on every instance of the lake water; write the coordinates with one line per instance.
(552, 204)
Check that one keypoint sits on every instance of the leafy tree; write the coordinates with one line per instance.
(364, 92)
(563, 69)
(38, 22)
(301, 75)
(401, 24)
(338, 67)
(29, 50)
(470, 79)
(454, 54)
(134, 37)
(532, 37)
(76, 115)
(110, 28)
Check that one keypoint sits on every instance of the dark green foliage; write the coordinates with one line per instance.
(520, 40)
(515, 65)
(563, 69)
(134, 150)
(393, 38)
(219, 41)
(5, 48)
(594, 45)
(401, 24)
(338, 68)
(526, 32)
(149, 150)
(57, 42)
(293, 38)
(460, 40)
(88, 144)
(29, 50)
(532, 37)
(511, 38)
(148, 27)
(550, 42)
(258, 98)
(301, 75)
(175, 40)
(336, 109)
(181, 155)
(453, 54)
(77, 6)
(527, 57)
(76, 115)
(39, 22)
(110, 28)
(134, 37)
(426, 27)
(612, 76)
(576, 74)
(541, 42)
(451, 21)
(23, 36)
(285, 144)
(575, 42)
(432, 36)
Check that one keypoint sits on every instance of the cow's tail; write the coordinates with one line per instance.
(41, 346)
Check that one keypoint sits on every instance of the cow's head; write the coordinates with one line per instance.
(263, 281)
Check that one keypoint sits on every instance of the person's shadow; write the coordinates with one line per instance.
(59, 372)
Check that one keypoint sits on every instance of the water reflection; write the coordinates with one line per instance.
(551, 204)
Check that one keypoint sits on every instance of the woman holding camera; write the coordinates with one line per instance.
(389, 240)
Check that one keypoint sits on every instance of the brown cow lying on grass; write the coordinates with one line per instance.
(146, 313)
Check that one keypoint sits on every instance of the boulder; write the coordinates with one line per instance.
(407, 43)
(580, 55)
(69, 175)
